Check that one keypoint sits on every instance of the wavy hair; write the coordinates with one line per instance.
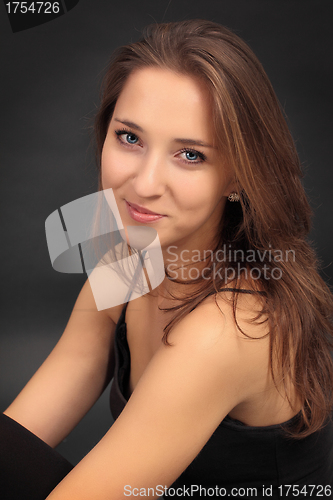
(273, 216)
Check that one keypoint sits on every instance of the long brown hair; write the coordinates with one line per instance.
(264, 236)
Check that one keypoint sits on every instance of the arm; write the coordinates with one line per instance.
(183, 395)
(72, 377)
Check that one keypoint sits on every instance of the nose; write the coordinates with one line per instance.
(150, 176)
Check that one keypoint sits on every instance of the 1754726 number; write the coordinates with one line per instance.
(310, 490)
(33, 7)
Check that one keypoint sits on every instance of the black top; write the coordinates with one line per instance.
(241, 456)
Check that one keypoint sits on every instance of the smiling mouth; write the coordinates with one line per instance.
(142, 210)
(141, 214)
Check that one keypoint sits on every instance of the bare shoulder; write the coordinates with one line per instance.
(232, 344)
(88, 328)
(85, 303)
(220, 316)
(245, 311)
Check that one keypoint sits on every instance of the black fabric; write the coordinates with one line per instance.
(241, 456)
(29, 468)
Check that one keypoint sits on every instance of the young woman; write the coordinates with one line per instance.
(222, 375)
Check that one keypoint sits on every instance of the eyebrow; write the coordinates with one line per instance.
(191, 142)
(129, 124)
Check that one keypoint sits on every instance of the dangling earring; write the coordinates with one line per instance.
(233, 196)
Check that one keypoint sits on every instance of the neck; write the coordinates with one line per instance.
(187, 264)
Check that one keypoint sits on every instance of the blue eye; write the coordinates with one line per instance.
(126, 137)
(192, 155)
(131, 138)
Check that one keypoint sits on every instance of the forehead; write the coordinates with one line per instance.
(165, 99)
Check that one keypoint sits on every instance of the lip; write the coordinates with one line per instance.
(141, 214)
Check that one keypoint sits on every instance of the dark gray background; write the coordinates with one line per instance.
(50, 78)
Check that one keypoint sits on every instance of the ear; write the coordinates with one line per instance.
(232, 187)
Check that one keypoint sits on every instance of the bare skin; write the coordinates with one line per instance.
(145, 324)
(179, 393)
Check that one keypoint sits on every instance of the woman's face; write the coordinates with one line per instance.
(161, 161)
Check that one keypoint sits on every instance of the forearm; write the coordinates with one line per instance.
(72, 377)
(60, 394)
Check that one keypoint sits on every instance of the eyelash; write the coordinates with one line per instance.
(121, 132)
(202, 157)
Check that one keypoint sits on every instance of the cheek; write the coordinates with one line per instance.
(201, 194)
(113, 169)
